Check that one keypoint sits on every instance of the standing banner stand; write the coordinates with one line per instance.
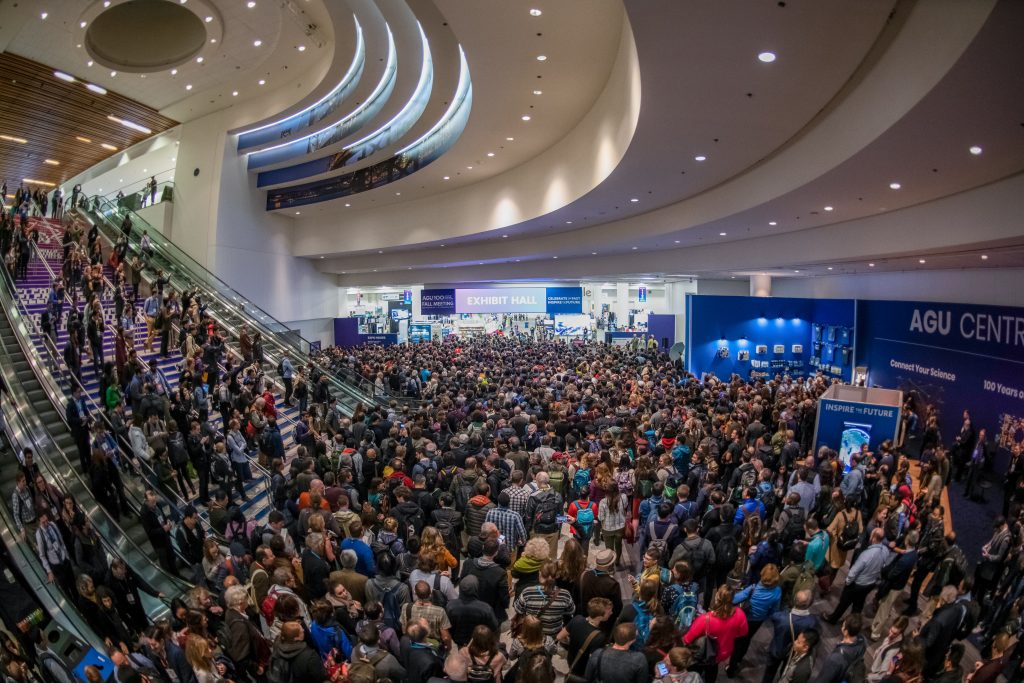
(850, 417)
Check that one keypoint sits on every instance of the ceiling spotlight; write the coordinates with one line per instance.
(469, 168)
(106, 145)
(64, 77)
(398, 194)
(773, 223)
(542, 58)
(96, 89)
(89, 63)
(721, 234)
(700, 157)
(301, 48)
(504, 236)
(920, 260)
(298, 213)
(510, 139)
(975, 150)
(113, 74)
(209, 19)
(894, 186)
(796, 271)
(593, 253)
(830, 267)
(554, 257)
(871, 265)
(828, 208)
(53, 162)
(199, 60)
(678, 241)
(348, 205)
(257, 43)
(767, 57)
(490, 154)
(262, 82)
(526, 118)
(380, 251)
(984, 257)
(538, 92)
(250, 4)
(234, 93)
(447, 178)
(213, 40)
(174, 72)
(81, 139)
(43, 16)
(82, 24)
(535, 13)
(188, 87)
(635, 248)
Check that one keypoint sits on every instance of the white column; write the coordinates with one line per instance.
(760, 284)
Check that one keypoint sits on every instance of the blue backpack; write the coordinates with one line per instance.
(585, 516)
(580, 480)
(681, 457)
(643, 625)
(684, 607)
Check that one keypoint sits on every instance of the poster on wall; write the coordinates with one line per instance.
(847, 426)
(950, 357)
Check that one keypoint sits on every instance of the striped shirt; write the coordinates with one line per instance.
(553, 609)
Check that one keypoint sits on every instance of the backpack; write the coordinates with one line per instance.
(391, 608)
(642, 621)
(480, 673)
(237, 533)
(645, 487)
(267, 607)
(580, 480)
(684, 608)
(697, 558)
(726, 552)
(280, 670)
(463, 492)
(766, 494)
(969, 620)
(280, 367)
(176, 446)
(379, 548)
(624, 482)
(850, 535)
(556, 477)
(364, 669)
(681, 456)
(748, 479)
(856, 671)
(806, 579)
(684, 510)
(546, 514)
(448, 535)
(585, 516)
(794, 528)
(660, 544)
(672, 483)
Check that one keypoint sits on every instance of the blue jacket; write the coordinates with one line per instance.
(649, 506)
(748, 507)
(782, 638)
(364, 556)
(763, 601)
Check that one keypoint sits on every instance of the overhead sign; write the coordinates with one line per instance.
(642, 294)
(556, 300)
(391, 296)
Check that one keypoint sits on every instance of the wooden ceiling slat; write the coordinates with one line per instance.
(50, 113)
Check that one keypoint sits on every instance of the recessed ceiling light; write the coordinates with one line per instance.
(321, 257)
(96, 89)
(298, 213)
(89, 63)
(554, 257)
(526, 117)
(593, 253)
(53, 162)
(568, 222)
(113, 74)
(11, 138)
(348, 205)
(894, 186)
(535, 13)
(772, 223)
(518, 260)
(257, 43)
(828, 208)
(188, 86)
(920, 260)
(234, 93)
(37, 182)
(398, 194)
(174, 72)
(634, 200)
(635, 248)
(250, 4)
(721, 234)
(43, 16)
(504, 236)
(470, 168)
(209, 19)
(871, 265)
(984, 257)
(830, 267)
(975, 150)
(64, 77)
(542, 58)
(213, 40)
(510, 139)
(678, 241)
(796, 271)
(82, 24)
(262, 82)
(199, 60)
(106, 145)
(301, 48)
(538, 92)
(767, 57)
(447, 178)
(106, 3)
(81, 139)
(380, 251)
(700, 157)
(490, 154)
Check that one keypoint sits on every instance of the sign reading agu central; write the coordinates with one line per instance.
(502, 300)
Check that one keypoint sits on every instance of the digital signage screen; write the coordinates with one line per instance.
(556, 300)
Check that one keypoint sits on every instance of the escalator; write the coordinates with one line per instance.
(32, 377)
(228, 307)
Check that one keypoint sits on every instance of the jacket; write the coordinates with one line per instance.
(493, 584)
(782, 634)
(763, 601)
(303, 661)
(476, 513)
(838, 661)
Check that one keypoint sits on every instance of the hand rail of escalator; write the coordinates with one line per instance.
(46, 381)
(103, 208)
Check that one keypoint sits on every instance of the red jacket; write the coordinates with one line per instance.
(725, 631)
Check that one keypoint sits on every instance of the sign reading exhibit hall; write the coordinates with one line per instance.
(554, 300)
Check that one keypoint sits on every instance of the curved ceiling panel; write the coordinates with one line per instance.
(419, 154)
(316, 112)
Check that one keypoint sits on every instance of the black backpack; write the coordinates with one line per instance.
(545, 518)
(850, 535)
(726, 552)
(794, 528)
(280, 670)
(463, 492)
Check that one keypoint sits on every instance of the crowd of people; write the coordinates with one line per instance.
(540, 511)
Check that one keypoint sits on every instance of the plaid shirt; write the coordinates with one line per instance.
(518, 497)
(510, 525)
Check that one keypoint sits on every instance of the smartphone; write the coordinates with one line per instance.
(661, 670)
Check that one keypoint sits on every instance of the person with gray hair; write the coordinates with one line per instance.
(786, 626)
(315, 570)
(542, 512)
(353, 581)
(243, 641)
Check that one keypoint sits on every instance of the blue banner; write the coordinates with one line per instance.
(437, 302)
(564, 300)
(950, 357)
(556, 300)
